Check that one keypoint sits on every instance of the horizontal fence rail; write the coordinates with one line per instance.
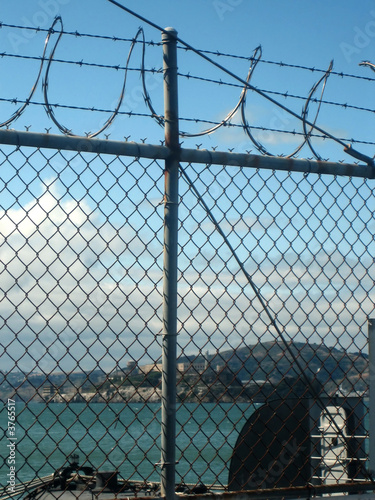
(140, 150)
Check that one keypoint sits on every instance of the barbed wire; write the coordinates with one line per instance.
(276, 93)
(347, 148)
(49, 108)
(306, 133)
(311, 69)
(78, 34)
(73, 107)
(118, 67)
(182, 119)
(217, 53)
(57, 27)
(309, 128)
(367, 63)
(80, 63)
(247, 86)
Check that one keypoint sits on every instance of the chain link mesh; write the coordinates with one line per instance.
(306, 242)
(81, 288)
(81, 276)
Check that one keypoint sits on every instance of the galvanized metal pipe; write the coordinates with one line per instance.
(356, 490)
(169, 346)
(371, 348)
(202, 156)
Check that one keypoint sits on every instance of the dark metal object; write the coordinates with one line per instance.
(62, 475)
(273, 448)
(284, 444)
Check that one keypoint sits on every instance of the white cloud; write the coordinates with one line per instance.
(64, 268)
(75, 282)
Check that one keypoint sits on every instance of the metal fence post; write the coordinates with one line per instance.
(371, 348)
(169, 347)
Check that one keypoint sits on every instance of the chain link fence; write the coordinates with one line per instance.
(275, 295)
(81, 286)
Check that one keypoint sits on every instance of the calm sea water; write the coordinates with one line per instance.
(123, 437)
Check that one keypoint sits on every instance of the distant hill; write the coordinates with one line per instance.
(246, 372)
(273, 361)
(273, 369)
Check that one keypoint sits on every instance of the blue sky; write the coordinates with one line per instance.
(295, 32)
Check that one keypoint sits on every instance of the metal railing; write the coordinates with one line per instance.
(230, 351)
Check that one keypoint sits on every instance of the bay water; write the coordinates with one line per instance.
(123, 437)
